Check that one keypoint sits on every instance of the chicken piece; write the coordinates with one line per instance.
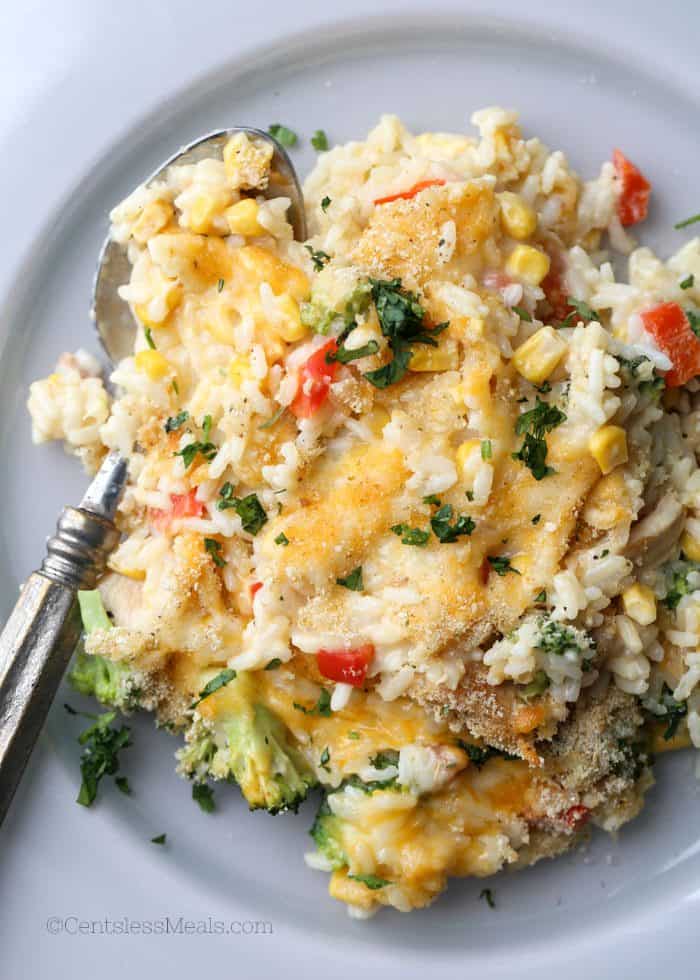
(403, 238)
(654, 539)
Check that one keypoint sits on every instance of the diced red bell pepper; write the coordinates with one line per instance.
(315, 378)
(670, 328)
(411, 192)
(576, 816)
(182, 505)
(254, 589)
(633, 202)
(346, 666)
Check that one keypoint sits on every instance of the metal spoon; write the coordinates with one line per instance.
(44, 627)
(113, 319)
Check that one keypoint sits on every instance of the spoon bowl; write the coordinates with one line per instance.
(114, 321)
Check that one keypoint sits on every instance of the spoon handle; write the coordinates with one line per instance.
(40, 636)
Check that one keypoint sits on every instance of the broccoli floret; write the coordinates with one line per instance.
(115, 684)
(327, 834)
(246, 742)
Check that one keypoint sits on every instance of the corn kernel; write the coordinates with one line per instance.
(528, 263)
(466, 456)
(639, 602)
(154, 217)
(202, 213)
(690, 546)
(242, 218)
(539, 355)
(289, 326)
(347, 890)
(442, 358)
(152, 363)
(239, 370)
(608, 446)
(518, 219)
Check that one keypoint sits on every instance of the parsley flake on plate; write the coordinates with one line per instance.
(285, 136)
(319, 141)
(101, 747)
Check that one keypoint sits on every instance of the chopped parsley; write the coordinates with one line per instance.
(480, 754)
(318, 257)
(273, 664)
(533, 425)
(501, 565)
(385, 759)
(249, 508)
(223, 678)
(487, 894)
(536, 519)
(555, 638)
(213, 548)
(675, 711)
(204, 796)
(274, 418)
(537, 686)
(122, 784)
(325, 203)
(344, 355)
(322, 706)
(677, 579)
(175, 386)
(370, 881)
(411, 535)
(687, 221)
(688, 282)
(198, 448)
(160, 839)
(282, 539)
(285, 136)
(319, 141)
(402, 320)
(432, 499)
(100, 757)
(469, 494)
(541, 596)
(176, 421)
(486, 449)
(220, 285)
(694, 321)
(353, 581)
(583, 310)
(149, 338)
(522, 313)
(354, 735)
(448, 533)
(325, 759)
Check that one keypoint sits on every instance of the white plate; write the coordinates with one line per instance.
(603, 910)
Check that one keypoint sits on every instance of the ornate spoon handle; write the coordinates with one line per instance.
(44, 627)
